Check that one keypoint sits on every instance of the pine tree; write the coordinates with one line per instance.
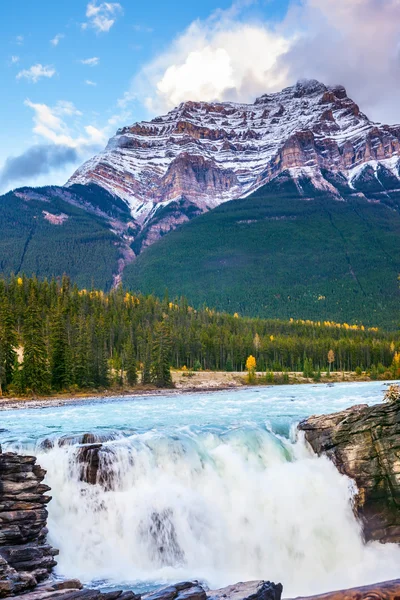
(161, 357)
(35, 367)
(17, 380)
(8, 343)
(98, 359)
(146, 370)
(81, 374)
(229, 365)
(130, 364)
(60, 352)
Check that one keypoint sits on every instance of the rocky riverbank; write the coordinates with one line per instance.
(364, 444)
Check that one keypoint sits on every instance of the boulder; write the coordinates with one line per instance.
(248, 590)
(185, 590)
(364, 444)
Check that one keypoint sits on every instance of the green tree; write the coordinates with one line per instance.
(35, 366)
(197, 365)
(161, 357)
(308, 370)
(130, 364)
(229, 365)
(60, 359)
(8, 343)
(81, 374)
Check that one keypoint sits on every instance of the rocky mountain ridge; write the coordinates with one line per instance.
(307, 142)
(210, 153)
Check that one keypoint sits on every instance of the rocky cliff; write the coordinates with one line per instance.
(25, 557)
(364, 443)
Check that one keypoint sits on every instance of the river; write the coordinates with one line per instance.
(213, 486)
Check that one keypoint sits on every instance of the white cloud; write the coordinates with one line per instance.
(19, 40)
(89, 82)
(90, 62)
(355, 43)
(101, 17)
(226, 57)
(14, 60)
(214, 60)
(56, 39)
(50, 124)
(36, 72)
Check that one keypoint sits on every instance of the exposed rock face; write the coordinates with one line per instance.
(364, 444)
(25, 557)
(388, 590)
(209, 153)
(249, 590)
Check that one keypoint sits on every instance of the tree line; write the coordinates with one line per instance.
(55, 336)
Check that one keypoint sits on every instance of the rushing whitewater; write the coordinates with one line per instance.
(212, 487)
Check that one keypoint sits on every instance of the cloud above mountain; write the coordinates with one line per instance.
(355, 43)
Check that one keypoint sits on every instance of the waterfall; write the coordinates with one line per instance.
(219, 506)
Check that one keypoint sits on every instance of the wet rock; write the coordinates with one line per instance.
(25, 558)
(249, 590)
(161, 537)
(95, 465)
(388, 590)
(98, 437)
(12, 582)
(186, 590)
(364, 444)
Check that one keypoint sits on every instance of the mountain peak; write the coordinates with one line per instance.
(212, 152)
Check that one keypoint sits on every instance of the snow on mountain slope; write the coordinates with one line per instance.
(208, 153)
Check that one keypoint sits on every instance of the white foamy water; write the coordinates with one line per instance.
(210, 486)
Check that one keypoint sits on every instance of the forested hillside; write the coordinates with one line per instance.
(51, 231)
(68, 336)
(281, 254)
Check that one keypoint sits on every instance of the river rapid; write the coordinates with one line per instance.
(217, 487)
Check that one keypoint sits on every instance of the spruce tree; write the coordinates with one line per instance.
(8, 343)
(161, 357)
(81, 375)
(35, 367)
(60, 351)
(18, 378)
(146, 371)
(98, 359)
(130, 364)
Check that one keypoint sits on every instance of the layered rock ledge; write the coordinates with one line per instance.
(25, 557)
(364, 444)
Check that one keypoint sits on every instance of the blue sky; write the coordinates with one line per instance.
(73, 72)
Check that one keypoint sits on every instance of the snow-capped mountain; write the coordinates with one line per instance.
(213, 152)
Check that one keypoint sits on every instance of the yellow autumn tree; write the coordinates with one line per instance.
(251, 364)
(331, 359)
